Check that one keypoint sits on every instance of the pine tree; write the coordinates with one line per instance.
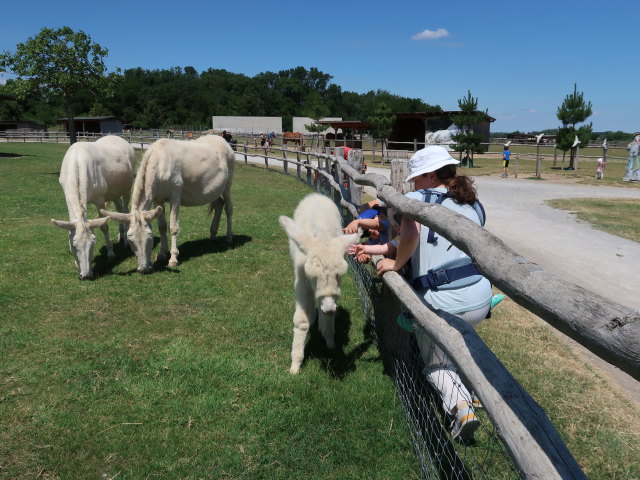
(467, 140)
(573, 110)
(382, 123)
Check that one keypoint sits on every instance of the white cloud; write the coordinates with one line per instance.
(431, 35)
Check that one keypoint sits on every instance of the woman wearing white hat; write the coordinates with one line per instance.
(455, 287)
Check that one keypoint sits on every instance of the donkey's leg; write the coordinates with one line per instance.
(101, 204)
(121, 204)
(302, 319)
(215, 223)
(162, 229)
(174, 225)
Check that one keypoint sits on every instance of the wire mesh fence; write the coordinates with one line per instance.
(439, 455)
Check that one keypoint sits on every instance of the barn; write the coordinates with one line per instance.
(412, 126)
(103, 125)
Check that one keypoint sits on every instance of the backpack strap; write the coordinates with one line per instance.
(454, 274)
(432, 196)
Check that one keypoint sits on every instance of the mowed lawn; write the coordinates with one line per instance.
(182, 373)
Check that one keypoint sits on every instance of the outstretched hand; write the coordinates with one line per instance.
(352, 227)
(355, 249)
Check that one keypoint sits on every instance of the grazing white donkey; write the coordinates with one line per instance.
(317, 245)
(187, 173)
(97, 173)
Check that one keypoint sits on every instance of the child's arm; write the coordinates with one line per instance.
(365, 223)
(386, 249)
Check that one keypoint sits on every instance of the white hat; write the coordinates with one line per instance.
(429, 159)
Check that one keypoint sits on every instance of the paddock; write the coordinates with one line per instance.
(130, 375)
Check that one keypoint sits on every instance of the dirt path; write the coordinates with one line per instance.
(557, 241)
(571, 249)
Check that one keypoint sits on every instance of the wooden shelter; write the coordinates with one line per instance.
(412, 126)
(356, 128)
(104, 125)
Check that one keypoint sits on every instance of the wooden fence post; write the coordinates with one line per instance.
(246, 161)
(285, 164)
(298, 164)
(373, 150)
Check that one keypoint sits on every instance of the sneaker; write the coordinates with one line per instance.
(405, 322)
(496, 299)
(465, 423)
(475, 401)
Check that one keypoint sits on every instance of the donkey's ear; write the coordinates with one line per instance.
(117, 216)
(63, 224)
(98, 222)
(294, 232)
(149, 215)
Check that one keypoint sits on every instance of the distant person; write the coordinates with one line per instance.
(227, 136)
(506, 155)
(600, 169)
(634, 153)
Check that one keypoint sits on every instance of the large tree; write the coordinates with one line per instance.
(467, 140)
(573, 110)
(60, 63)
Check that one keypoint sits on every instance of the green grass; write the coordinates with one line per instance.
(182, 373)
(619, 217)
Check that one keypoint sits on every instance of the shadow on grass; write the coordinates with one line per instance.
(335, 361)
(104, 265)
(188, 250)
(11, 155)
(197, 248)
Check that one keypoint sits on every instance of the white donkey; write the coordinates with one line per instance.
(317, 245)
(187, 173)
(97, 173)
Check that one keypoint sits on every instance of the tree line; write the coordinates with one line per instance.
(53, 84)
(60, 73)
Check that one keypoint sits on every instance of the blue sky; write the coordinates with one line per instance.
(520, 59)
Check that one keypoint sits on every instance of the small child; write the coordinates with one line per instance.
(600, 168)
(506, 155)
(363, 251)
(375, 222)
